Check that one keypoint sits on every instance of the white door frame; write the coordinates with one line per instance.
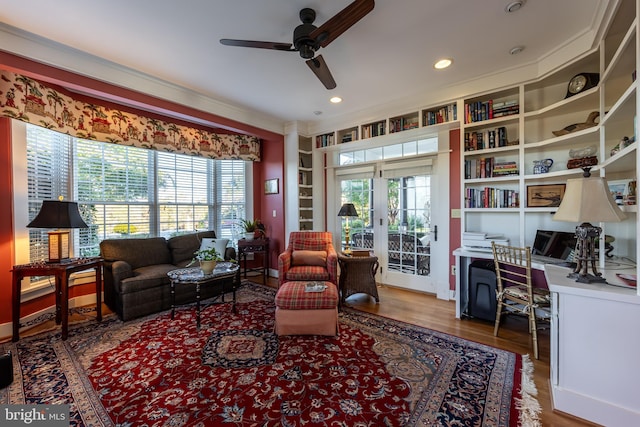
(440, 249)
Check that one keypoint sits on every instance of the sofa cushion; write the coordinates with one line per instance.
(137, 252)
(147, 277)
(309, 258)
(183, 247)
(306, 273)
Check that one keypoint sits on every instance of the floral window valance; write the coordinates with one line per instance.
(31, 101)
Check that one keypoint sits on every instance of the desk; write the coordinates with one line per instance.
(594, 348)
(61, 271)
(255, 246)
(464, 257)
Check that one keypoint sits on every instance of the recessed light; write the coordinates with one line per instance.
(336, 99)
(514, 6)
(442, 63)
(516, 50)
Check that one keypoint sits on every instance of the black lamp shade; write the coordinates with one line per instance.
(58, 214)
(348, 209)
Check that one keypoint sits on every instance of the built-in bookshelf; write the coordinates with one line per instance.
(438, 115)
(493, 106)
(305, 183)
(404, 122)
(371, 130)
(325, 140)
(347, 135)
(491, 197)
(486, 139)
(506, 134)
(488, 167)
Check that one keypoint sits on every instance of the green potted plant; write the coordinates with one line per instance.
(252, 228)
(208, 259)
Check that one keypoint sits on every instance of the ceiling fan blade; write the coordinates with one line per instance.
(320, 69)
(341, 22)
(258, 44)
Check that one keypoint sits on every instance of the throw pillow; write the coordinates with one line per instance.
(219, 244)
(305, 257)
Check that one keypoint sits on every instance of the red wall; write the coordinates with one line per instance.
(270, 167)
(6, 220)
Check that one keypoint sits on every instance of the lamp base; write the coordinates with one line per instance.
(587, 236)
(586, 278)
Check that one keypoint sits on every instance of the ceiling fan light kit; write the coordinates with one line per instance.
(307, 38)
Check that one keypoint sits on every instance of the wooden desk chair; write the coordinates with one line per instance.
(515, 292)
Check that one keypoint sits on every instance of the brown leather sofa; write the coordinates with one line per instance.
(135, 272)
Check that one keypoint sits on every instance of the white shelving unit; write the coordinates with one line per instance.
(305, 183)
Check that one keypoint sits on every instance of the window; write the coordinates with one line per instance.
(405, 149)
(130, 192)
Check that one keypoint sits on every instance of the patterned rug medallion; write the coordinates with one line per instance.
(235, 371)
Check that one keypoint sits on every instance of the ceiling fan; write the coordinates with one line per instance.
(307, 38)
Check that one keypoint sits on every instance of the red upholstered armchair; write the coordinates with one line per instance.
(309, 256)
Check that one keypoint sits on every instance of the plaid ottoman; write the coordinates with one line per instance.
(299, 312)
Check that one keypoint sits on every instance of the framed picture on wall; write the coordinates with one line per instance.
(545, 196)
(271, 186)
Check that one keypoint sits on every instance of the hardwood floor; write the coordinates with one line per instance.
(428, 311)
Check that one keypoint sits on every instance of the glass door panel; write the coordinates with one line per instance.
(409, 211)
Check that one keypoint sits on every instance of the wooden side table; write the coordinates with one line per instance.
(61, 271)
(357, 275)
(255, 246)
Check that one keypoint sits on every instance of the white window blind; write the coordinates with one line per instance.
(114, 192)
(230, 203)
(183, 193)
(48, 176)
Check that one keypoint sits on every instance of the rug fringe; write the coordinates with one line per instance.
(527, 405)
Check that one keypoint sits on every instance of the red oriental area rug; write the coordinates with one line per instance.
(235, 371)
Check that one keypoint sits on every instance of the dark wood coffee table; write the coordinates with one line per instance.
(194, 276)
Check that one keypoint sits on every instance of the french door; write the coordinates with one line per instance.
(396, 220)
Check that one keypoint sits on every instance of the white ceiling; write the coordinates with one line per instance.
(384, 60)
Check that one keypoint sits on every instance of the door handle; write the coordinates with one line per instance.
(435, 233)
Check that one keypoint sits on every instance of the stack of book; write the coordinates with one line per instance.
(505, 108)
(349, 136)
(482, 241)
(504, 169)
(487, 168)
(487, 110)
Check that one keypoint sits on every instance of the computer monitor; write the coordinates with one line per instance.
(554, 244)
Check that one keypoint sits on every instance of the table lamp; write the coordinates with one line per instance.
(61, 216)
(585, 200)
(347, 210)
